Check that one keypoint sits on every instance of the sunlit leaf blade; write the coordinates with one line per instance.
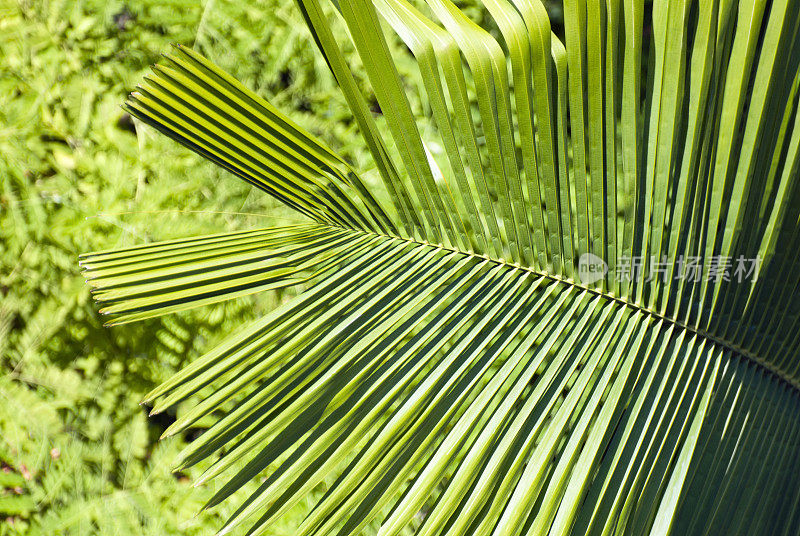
(451, 364)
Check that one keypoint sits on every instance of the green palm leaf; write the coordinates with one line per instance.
(450, 362)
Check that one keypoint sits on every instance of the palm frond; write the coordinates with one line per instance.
(452, 363)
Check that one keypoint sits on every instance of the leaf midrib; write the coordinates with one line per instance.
(569, 282)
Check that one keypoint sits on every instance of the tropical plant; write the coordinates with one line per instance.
(453, 360)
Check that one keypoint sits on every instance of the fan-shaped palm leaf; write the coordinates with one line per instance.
(452, 362)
